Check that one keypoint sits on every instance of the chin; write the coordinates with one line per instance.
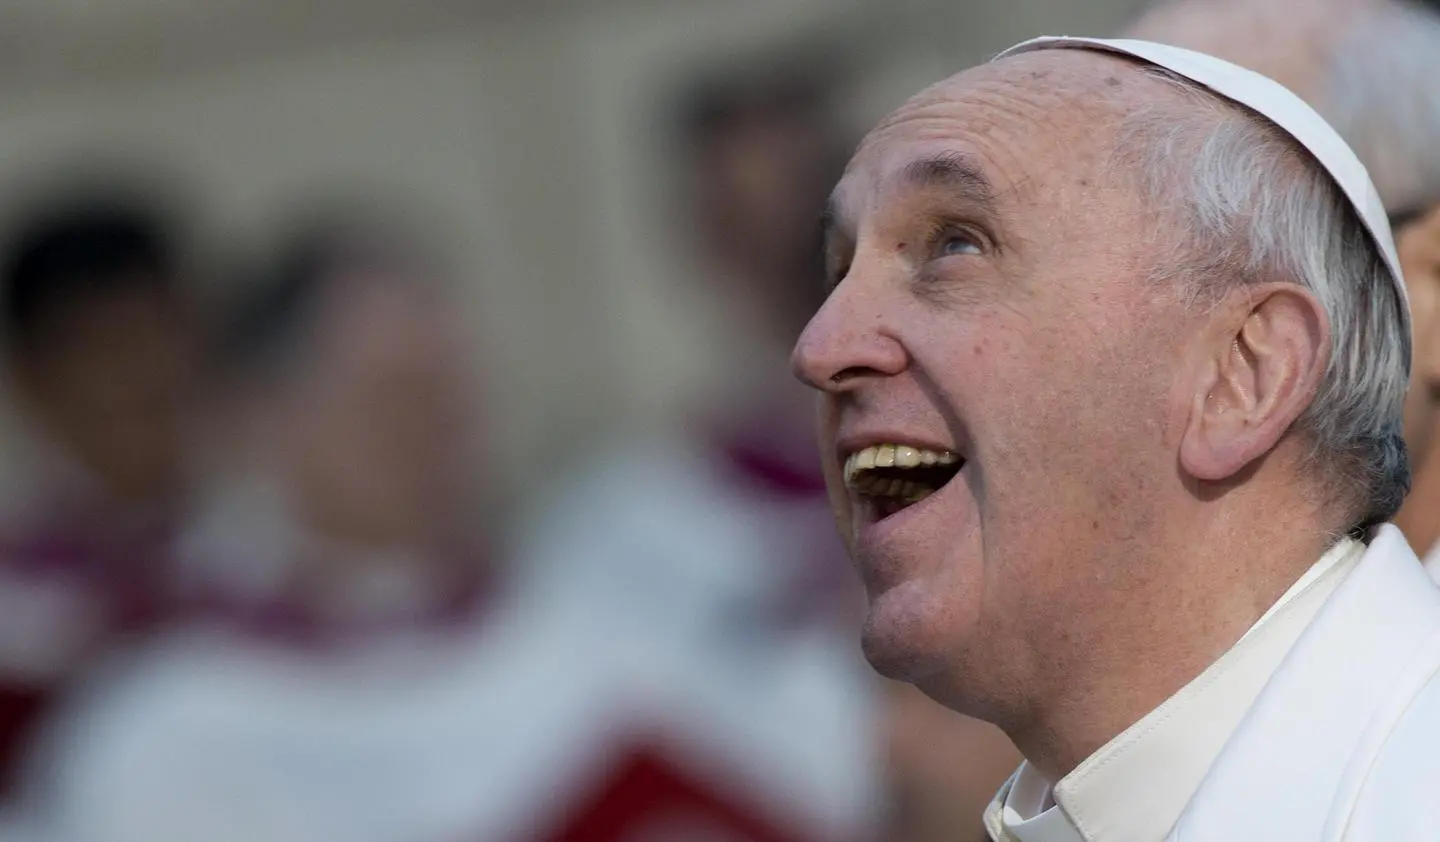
(901, 637)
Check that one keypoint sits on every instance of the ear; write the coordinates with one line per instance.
(1264, 366)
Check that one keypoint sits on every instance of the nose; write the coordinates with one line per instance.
(846, 344)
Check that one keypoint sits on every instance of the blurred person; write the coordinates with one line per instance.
(716, 535)
(325, 568)
(358, 666)
(757, 151)
(343, 425)
(1163, 567)
(98, 337)
(1372, 69)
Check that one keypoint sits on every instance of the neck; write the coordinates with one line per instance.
(1211, 585)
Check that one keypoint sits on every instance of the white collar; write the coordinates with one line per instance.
(1098, 802)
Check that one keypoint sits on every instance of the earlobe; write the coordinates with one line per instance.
(1263, 371)
(1198, 445)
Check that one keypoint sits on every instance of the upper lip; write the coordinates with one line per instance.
(855, 442)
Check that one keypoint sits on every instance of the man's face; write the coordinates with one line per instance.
(759, 180)
(112, 385)
(372, 433)
(992, 308)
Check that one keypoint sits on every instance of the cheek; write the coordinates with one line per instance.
(1071, 430)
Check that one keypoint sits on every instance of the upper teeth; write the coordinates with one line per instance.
(894, 456)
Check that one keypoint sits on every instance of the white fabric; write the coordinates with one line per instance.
(1342, 555)
(1028, 813)
(661, 529)
(1432, 562)
(661, 537)
(245, 541)
(1275, 103)
(1166, 754)
(1318, 754)
(210, 738)
(1340, 745)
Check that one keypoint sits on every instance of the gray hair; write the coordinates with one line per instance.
(1254, 206)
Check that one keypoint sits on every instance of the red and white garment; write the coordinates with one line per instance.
(525, 724)
(79, 575)
(726, 547)
(543, 713)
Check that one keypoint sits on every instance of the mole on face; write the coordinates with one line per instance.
(1113, 81)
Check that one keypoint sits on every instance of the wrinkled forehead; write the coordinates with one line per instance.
(1011, 130)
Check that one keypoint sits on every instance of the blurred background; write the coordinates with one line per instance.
(397, 431)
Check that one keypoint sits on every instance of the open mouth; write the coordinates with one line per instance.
(896, 476)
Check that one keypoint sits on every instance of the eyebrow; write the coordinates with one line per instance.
(955, 172)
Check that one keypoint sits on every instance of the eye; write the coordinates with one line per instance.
(956, 244)
(955, 238)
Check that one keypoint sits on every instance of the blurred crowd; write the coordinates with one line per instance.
(249, 591)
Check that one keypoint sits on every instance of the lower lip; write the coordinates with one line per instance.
(874, 533)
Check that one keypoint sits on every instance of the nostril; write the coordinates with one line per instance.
(852, 373)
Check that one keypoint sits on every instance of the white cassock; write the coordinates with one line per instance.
(1322, 723)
